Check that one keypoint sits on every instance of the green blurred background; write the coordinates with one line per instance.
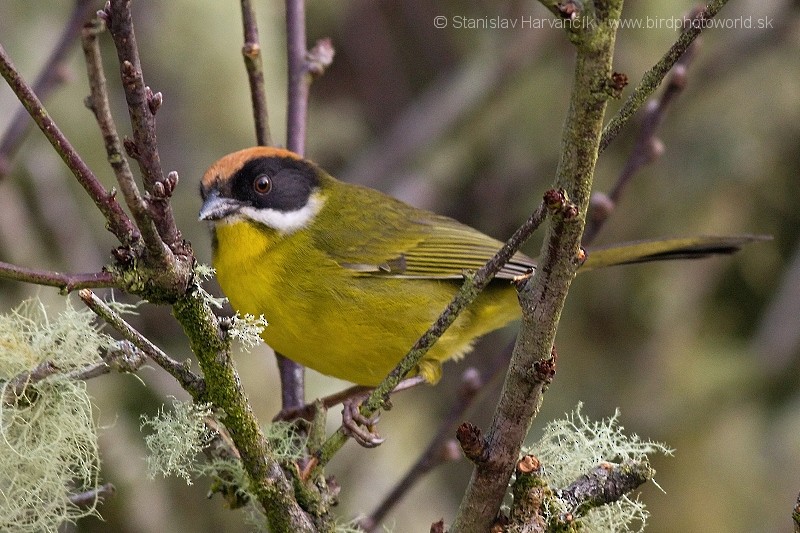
(700, 355)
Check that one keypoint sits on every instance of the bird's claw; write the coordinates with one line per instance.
(360, 427)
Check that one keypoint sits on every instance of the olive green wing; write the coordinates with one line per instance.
(400, 241)
(448, 249)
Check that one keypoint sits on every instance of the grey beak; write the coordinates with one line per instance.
(216, 207)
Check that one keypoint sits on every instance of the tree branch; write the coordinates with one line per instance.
(142, 107)
(606, 483)
(251, 51)
(440, 450)
(66, 282)
(193, 383)
(90, 498)
(302, 65)
(124, 357)
(224, 390)
(647, 147)
(98, 103)
(117, 221)
(51, 75)
(297, 93)
(542, 297)
(652, 78)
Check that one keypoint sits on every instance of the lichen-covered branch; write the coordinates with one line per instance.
(224, 390)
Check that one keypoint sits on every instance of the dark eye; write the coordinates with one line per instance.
(262, 184)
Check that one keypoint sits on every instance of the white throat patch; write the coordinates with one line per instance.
(285, 222)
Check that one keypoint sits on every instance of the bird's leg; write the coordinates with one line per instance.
(362, 428)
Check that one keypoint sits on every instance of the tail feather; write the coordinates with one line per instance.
(667, 249)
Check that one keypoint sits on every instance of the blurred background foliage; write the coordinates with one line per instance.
(703, 356)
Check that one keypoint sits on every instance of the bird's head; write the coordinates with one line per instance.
(269, 186)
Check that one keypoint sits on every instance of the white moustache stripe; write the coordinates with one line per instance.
(285, 222)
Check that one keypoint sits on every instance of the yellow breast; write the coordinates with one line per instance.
(336, 321)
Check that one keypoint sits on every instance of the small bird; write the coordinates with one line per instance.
(348, 277)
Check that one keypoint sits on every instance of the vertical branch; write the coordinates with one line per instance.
(98, 103)
(49, 77)
(142, 107)
(293, 374)
(302, 66)
(297, 105)
(542, 297)
(251, 50)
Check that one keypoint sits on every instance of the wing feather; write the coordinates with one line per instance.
(404, 242)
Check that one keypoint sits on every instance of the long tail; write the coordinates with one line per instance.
(666, 249)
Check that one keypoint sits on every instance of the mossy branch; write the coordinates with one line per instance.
(225, 392)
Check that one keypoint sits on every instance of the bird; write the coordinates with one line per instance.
(348, 277)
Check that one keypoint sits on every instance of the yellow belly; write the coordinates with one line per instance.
(344, 324)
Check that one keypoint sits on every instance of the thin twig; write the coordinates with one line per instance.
(142, 107)
(98, 102)
(647, 147)
(66, 282)
(117, 221)
(193, 383)
(123, 357)
(255, 73)
(472, 286)
(652, 78)
(50, 77)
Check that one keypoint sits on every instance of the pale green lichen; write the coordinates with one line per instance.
(176, 439)
(48, 438)
(202, 273)
(574, 445)
(247, 330)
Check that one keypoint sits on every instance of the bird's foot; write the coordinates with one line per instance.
(360, 427)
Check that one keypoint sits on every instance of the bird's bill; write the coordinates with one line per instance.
(216, 207)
